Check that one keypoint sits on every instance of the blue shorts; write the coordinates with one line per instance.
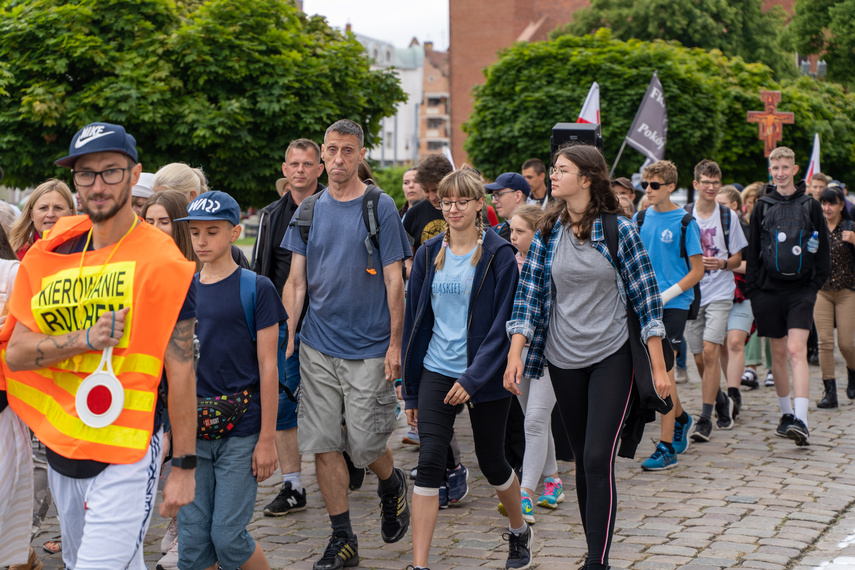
(213, 527)
(741, 318)
(286, 417)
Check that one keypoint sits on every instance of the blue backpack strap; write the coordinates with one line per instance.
(247, 299)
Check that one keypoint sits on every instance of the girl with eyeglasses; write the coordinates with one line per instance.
(570, 305)
(836, 298)
(460, 294)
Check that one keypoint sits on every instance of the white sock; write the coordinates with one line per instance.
(786, 406)
(801, 405)
(520, 530)
(296, 480)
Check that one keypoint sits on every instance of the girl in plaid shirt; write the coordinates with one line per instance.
(571, 305)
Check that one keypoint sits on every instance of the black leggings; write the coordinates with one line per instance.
(436, 426)
(593, 402)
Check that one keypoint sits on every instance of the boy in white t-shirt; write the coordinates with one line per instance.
(673, 242)
(722, 241)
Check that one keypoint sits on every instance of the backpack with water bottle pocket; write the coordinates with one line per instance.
(788, 240)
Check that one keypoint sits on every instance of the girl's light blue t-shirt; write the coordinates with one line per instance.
(449, 297)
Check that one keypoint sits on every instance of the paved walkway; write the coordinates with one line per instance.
(746, 499)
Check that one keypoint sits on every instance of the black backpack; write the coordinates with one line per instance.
(370, 215)
(684, 224)
(785, 231)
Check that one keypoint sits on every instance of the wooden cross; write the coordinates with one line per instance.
(771, 121)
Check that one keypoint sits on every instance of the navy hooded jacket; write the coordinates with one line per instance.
(490, 305)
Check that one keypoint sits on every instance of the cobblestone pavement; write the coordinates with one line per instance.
(746, 499)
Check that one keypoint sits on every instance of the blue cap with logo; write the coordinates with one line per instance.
(212, 206)
(511, 181)
(99, 137)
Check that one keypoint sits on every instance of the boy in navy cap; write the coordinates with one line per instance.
(510, 191)
(213, 527)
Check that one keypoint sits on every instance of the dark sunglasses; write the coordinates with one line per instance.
(654, 185)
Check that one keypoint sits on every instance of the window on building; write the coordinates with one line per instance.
(389, 139)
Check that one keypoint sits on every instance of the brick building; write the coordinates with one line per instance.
(480, 28)
(434, 113)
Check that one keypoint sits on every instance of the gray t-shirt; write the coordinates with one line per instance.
(588, 319)
(348, 314)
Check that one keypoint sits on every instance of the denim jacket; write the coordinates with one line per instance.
(535, 292)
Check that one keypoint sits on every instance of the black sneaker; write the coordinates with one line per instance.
(724, 413)
(703, 428)
(735, 395)
(341, 552)
(798, 432)
(394, 512)
(287, 501)
(357, 475)
(786, 421)
(519, 549)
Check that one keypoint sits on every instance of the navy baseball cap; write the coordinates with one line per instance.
(99, 137)
(212, 206)
(511, 181)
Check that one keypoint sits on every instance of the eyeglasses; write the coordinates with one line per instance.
(559, 174)
(710, 183)
(461, 204)
(110, 176)
(497, 195)
(654, 185)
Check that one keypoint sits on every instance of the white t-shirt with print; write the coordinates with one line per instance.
(718, 285)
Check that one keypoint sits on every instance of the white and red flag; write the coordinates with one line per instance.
(591, 109)
(813, 167)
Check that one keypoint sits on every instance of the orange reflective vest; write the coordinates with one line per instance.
(148, 273)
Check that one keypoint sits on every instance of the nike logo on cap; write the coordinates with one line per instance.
(89, 134)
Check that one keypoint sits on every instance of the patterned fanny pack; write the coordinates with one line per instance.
(218, 415)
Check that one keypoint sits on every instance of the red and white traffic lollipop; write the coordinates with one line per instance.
(100, 398)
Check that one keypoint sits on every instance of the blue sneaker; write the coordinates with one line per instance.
(457, 486)
(443, 495)
(681, 434)
(660, 460)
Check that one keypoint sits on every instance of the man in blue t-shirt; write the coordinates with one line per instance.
(351, 342)
(662, 231)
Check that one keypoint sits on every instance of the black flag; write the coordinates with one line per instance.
(650, 127)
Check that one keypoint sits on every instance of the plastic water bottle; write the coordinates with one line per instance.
(813, 242)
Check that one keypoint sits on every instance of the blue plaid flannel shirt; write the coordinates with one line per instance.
(535, 291)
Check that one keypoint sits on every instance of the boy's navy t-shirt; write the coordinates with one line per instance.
(228, 358)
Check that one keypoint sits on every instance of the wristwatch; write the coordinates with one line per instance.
(184, 462)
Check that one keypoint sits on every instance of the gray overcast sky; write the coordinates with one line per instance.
(395, 21)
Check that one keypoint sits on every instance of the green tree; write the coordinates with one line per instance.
(532, 86)
(736, 27)
(825, 28)
(221, 84)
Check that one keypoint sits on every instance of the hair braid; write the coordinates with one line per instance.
(446, 241)
(479, 223)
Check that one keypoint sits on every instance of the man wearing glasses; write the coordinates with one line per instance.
(510, 191)
(722, 241)
(105, 289)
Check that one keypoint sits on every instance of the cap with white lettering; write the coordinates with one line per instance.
(211, 206)
(99, 137)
